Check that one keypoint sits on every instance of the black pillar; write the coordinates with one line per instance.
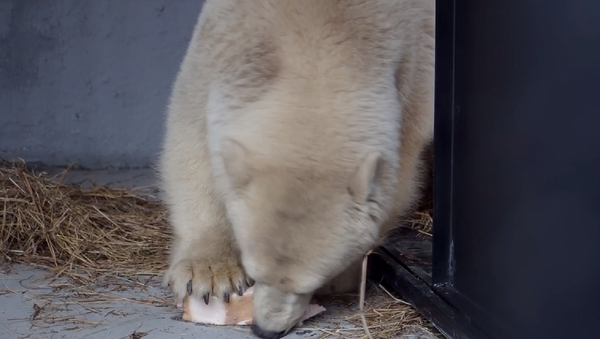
(517, 173)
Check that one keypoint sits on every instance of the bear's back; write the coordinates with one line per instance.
(316, 74)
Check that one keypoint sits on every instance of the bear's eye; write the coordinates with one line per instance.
(374, 209)
(371, 199)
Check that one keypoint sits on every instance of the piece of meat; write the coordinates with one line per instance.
(237, 312)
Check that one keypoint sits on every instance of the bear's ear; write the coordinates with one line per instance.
(362, 182)
(235, 160)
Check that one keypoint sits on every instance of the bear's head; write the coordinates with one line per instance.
(299, 226)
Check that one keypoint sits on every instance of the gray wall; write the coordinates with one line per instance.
(88, 81)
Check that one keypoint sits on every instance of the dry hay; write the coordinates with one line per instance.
(96, 233)
(387, 317)
(84, 234)
(421, 221)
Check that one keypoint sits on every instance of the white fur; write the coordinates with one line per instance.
(293, 142)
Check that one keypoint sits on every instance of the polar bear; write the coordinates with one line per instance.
(293, 140)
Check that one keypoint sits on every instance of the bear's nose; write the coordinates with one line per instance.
(259, 332)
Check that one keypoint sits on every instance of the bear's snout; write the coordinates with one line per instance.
(263, 334)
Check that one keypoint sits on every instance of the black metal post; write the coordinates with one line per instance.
(516, 248)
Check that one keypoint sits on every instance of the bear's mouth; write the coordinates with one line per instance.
(237, 312)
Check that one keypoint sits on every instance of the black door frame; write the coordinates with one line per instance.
(553, 51)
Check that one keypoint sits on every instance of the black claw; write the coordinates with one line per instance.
(189, 287)
(226, 297)
(206, 297)
(249, 281)
(240, 290)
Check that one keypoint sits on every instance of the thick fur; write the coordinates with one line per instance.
(293, 142)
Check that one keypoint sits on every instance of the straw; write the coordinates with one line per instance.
(83, 234)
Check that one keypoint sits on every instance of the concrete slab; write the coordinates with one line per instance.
(32, 306)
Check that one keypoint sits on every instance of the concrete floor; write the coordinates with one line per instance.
(62, 316)
(32, 307)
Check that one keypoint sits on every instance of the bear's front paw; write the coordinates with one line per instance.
(206, 277)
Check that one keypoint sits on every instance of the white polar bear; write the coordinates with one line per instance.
(293, 142)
